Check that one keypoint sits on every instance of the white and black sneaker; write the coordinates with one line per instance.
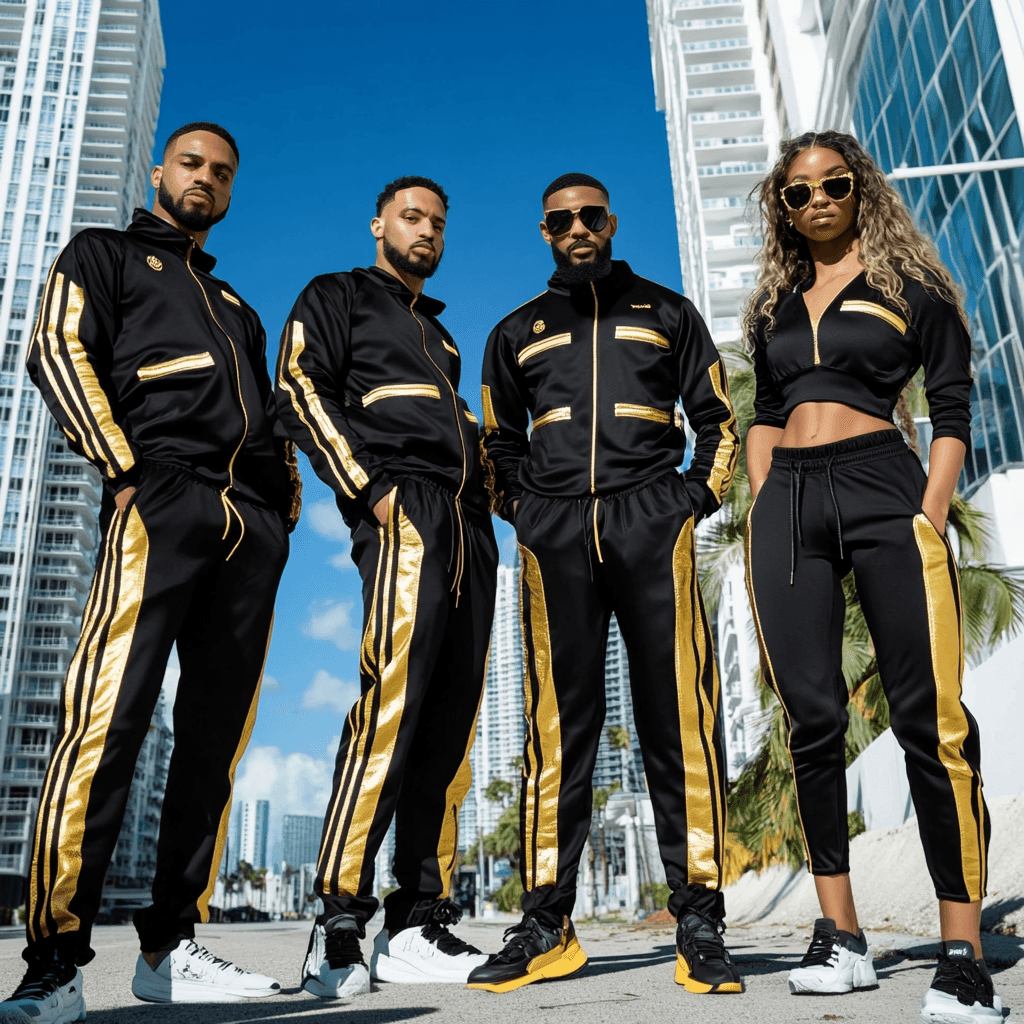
(50, 993)
(961, 991)
(334, 967)
(835, 962)
(190, 973)
(425, 952)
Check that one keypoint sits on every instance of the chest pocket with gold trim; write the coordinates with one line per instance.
(199, 361)
(874, 309)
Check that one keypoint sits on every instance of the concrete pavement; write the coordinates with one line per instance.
(628, 979)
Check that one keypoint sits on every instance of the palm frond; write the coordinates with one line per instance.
(993, 604)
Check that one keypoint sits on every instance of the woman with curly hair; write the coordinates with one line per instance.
(852, 301)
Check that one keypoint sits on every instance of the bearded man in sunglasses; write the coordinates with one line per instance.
(583, 434)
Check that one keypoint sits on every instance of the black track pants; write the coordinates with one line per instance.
(856, 505)
(631, 554)
(163, 575)
(404, 750)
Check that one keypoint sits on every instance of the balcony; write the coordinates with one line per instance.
(731, 248)
(11, 862)
(18, 805)
(23, 775)
(737, 149)
(705, 124)
(22, 718)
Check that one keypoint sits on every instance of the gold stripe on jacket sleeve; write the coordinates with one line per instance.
(563, 412)
(401, 391)
(874, 309)
(198, 361)
(555, 341)
(337, 451)
(451, 348)
(642, 412)
(470, 416)
(624, 333)
(727, 452)
(490, 420)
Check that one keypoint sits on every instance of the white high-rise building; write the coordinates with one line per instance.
(623, 765)
(717, 91)
(80, 88)
(253, 826)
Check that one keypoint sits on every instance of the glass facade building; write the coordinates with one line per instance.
(934, 88)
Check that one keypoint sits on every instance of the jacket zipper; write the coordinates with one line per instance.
(593, 427)
(241, 401)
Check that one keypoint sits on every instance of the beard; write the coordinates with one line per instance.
(573, 273)
(416, 268)
(187, 217)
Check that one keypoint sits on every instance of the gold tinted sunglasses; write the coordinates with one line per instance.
(798, 195)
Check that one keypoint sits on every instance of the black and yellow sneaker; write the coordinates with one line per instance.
(702, 961)
(534, 951)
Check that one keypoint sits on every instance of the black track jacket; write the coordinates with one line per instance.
(141, 354)
(367, 385)
(598, 369)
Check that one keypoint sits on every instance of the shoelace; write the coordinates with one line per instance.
(706, 942)
(342, 948)
(435, 931)
(202, 953)
(515, 938)
(822, 949)
(962, 979)
(41, 980)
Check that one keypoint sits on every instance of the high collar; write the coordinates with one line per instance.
(396, 286)
(617, 280)
(158, 232)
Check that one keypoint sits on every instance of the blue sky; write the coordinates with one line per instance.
(493, 99)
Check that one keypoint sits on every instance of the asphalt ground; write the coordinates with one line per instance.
(628, 980)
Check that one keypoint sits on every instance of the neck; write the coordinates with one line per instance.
(843, 249)
(199, 237)
(413, 283)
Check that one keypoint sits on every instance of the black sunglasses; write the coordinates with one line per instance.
(593, 218)
(798, 195)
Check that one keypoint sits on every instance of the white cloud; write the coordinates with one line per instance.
(332, 620)
(342, 560)
(325, 519)
(270, 683)
(328, 692)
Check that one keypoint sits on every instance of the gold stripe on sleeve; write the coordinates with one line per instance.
(642, 334)
(642, 412)
(470, 416)
(727, 452)
(555, 341)
(401, 391)
(563, 412)
(198, 361)
(451, 348)
(874, 309)
(490, 420)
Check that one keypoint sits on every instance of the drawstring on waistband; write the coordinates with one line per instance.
(581, 505)
(228, 509)
(835, 505)
(795, 532)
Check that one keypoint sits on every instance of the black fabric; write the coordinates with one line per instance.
(674, 360)
(164, 575)
(349, 335)
(860, 358)
(578, 588)
(146, 297)
(870, 488)
(426, 675)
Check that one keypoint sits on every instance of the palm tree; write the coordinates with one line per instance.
(762, 801)
(618, 739)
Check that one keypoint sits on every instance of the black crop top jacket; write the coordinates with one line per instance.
(862, 352)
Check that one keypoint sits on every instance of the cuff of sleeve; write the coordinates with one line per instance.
(380, 486)
(960, 433)
(112, 485)
(701, 499)
(769, 420)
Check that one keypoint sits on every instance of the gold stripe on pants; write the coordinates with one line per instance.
(543, 768)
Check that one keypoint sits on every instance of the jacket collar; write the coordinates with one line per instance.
(394, 285)
(159, 233)
(614, 283)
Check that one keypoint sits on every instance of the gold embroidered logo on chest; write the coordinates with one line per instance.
(155, 263)
(539, 326)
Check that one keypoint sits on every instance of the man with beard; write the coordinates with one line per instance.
(368, 387)
(583, 436)
(155, 371)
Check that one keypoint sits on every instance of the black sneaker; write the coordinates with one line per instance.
(534, 951)
(334, 966)
(702, 961)
(50, 993)
(961, 991)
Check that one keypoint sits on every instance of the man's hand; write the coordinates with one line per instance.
(122, 498)
(381, 509)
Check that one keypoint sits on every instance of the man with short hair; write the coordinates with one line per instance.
(155, 371)
(583, 436)
(367, 384)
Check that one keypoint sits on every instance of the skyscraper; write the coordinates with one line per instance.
(80, 88)
(253, 818)
(300, 835)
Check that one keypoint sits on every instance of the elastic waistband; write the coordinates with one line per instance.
(609, 495)
(468, 508)
(882, 444)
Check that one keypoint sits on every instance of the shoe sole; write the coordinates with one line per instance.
(15, 1015)
(702, 988)
(316, 988)
(570, 962)
(864, 978)
(194, 992)
(393, 971)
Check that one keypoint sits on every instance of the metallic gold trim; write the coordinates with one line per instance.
(945, 631)
(196, 362)
(642, 412)
(231, 298)
(642, 334)
(490, 420)
(544, 732)
(555, 341)
(874, 309)
(593, 410)
(451, 348)
(401, 391)
(597, 538)
(470, 416)
(563, 412)
(727, 453)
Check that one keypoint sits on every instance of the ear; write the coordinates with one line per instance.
(613, 225)
(156, 176)
(545, 234)
(377, 228)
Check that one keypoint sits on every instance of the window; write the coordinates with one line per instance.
(12, 358)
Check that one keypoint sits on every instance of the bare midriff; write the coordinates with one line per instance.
(814, 423)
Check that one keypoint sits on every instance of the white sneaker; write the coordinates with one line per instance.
(833, 964)
(961, 991)
(334, 967)
(192, 974)
(425, 953)
(49, 993)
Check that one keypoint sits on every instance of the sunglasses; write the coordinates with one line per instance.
(798, 195)
(593, 218)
